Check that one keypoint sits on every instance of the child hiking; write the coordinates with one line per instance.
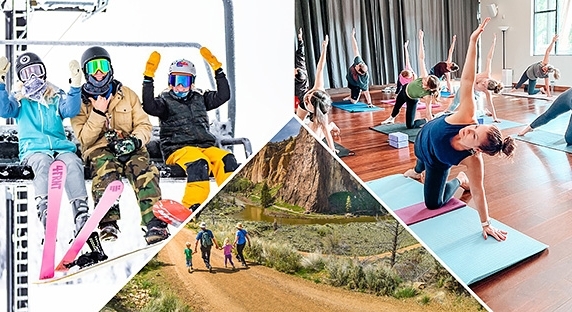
(189, 257)
(227, 249)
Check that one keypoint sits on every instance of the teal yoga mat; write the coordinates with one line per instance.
(358, 107)
(546, 139)
(503, 124)
(455, 237)
(398, 127)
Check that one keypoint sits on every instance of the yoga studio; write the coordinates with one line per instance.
(457, 115)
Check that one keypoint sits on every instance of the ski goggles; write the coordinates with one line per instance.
(27, 72)
(95, 65)
(184, 80)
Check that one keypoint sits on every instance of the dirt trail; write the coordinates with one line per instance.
(258, 288)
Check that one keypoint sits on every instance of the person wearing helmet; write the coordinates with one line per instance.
(39, 109)
(184, 124)
(113, 129)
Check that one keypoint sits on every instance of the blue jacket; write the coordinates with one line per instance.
(40, 127)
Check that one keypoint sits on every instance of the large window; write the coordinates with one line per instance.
(552, 17)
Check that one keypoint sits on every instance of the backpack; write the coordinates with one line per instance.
(206, 239)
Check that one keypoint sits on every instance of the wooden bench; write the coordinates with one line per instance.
(11, 169)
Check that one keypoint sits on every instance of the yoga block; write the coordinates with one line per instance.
(398, 140)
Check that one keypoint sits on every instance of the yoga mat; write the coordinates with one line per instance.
(358, 107)
(419, 212)
(397, 127)
(538, 96)
(503, 124)
(420, 104)
(455, 237)
(546, 139)
(446, 94)
(343, 151)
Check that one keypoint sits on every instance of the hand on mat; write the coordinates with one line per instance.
(499, 235)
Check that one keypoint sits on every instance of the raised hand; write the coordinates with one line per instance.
(75, 70)
(210, 58)
(152, 64)
(325, 42)
(4, 67)
(477, 32)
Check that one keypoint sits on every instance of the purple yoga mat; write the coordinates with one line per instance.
(418, 212)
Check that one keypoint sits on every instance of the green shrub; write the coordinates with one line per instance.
(166, 303)
(381, 280)
(282, 257)
(425, 300)
(313, 262)
(406, 292)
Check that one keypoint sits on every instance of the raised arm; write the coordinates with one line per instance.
(488, 68)
(549, 49)
(406, 51)
(468, 108)
(451, 49)
(354, 43)
(319, 83)
(421, 56)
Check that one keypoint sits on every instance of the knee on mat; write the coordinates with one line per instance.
(197, 171)
(230, 163)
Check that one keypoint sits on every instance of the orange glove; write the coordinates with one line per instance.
(210, 58)
(152, 64)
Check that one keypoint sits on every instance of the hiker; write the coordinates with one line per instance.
(240, 241)
(207, 240)
(227, 249)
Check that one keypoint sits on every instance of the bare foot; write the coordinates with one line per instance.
(347, 98)
(462, 177)
(512, 90)
(525, 131)
(390, 120)
(542, 90)
(413, 175)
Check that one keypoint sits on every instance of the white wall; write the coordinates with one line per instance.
(517, 14)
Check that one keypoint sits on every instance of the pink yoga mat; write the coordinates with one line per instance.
(418, 212)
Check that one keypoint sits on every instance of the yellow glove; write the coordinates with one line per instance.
(4, 67)
(152, 64)
(210, 58)
(75, 70)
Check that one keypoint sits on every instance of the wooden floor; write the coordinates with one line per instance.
(532, 194)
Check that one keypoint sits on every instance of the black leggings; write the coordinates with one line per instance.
(436, 190)
(239, 255)
(410, 110)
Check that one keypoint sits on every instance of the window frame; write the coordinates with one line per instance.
(538, 50)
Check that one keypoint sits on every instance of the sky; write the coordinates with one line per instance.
(292, 128)
(264, 84)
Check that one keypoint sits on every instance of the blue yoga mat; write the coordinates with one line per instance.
(455, 237)
(358, 107)
(546, 139)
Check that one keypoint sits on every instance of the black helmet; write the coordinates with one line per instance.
(27, 61)
(96, 87)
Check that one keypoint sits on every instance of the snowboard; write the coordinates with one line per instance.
(56, 183)
(73, 275)
(172, 212)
